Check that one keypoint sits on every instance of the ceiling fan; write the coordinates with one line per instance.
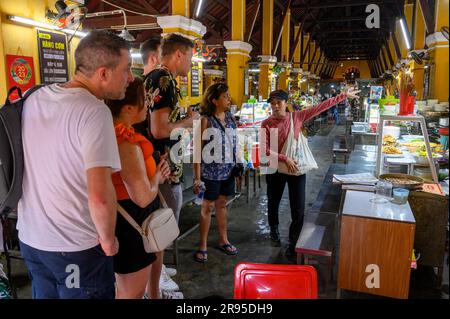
(419, 56)
(444, 31)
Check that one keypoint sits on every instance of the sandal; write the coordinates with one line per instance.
(203, 253)
(228, 249)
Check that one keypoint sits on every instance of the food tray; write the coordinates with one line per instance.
(410, 181)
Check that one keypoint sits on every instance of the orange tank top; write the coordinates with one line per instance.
(127, 134)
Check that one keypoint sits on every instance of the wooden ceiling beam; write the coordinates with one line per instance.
(340, 4)
(224, 3)
(429, 21)
(255, 16)
(131, 5)
(106, 23)
(345, 19)
(148, 7)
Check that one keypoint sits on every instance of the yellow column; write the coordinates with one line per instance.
(419, 44)
(316, 60)
(319, 64)
(441, 14)
(392, 49)
(304, 66)
(238, 9)
(283, 82)
(296, 58)
(305, 59)
(181, 8)
(267, 60)
(439, 53)
(297, 48)
(312, 48)
(238, 53)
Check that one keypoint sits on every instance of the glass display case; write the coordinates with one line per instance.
(252, 114)
(373, 113)
(398, 149)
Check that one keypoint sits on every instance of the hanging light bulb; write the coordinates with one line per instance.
(126, 35)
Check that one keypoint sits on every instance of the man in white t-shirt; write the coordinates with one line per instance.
(67, 214)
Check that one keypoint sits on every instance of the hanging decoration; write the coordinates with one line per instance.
(20, 73)
(205, 52)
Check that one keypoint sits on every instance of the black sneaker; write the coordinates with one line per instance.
(274, 234)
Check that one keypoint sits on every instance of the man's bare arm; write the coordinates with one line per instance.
(103, 206)
(160, 126)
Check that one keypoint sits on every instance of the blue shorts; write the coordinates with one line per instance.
(86, 274)
(214, 189)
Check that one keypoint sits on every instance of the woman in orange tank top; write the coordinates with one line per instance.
(136, 187)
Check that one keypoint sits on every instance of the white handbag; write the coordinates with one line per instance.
(158, 230)
(298, 150)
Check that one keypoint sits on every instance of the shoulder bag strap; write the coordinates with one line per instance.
(163, 201)
(225, 133)
(129, 219)
(292, 127)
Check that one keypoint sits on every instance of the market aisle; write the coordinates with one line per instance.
(248, 230)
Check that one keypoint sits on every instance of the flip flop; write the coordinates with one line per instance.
(204, 255)
(228, 249)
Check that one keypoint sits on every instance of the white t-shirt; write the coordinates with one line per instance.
(65, 132)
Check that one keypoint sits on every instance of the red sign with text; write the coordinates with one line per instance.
(20, 73)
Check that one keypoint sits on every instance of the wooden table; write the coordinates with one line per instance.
(375, 237)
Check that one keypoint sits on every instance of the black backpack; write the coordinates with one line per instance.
(11, 150)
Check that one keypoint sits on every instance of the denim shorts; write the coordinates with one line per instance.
(86, 274)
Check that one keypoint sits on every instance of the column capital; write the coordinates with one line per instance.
(296, 70)
(238, 47)
(181, 25)
(267, 59)
(218, 73)
(436, 39)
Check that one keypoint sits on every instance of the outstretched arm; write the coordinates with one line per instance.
(308, 114)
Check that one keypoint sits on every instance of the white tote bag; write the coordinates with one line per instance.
(298, 150)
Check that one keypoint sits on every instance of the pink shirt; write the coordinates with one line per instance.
(299, 118)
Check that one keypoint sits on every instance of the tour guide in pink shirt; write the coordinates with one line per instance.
(276, 182)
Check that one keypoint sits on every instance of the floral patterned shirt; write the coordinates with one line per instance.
(162, 92)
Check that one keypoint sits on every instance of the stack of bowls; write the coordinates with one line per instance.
(423, 172)
(443, 122)
(424, 108)
(440, 107)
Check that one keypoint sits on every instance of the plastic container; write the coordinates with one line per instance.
(406, 104)
(383, 192)
(199, 199)
(271, 281)
(400, 196)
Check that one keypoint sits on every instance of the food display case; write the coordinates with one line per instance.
(416, 152)
(252, 114)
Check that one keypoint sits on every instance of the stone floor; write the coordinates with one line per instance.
(249, 232)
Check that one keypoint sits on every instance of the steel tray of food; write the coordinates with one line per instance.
(402, 180)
